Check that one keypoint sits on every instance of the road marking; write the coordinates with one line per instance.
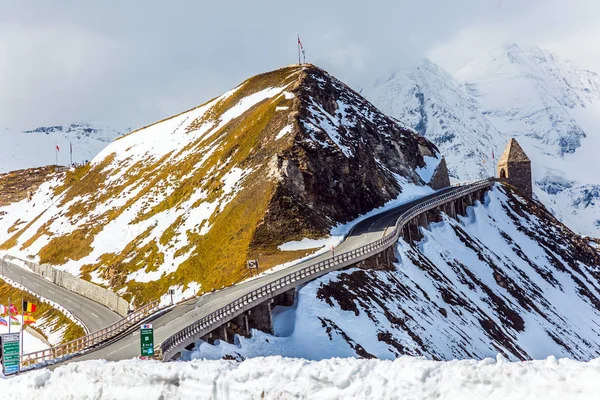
(51, 291)
(95, 315)
(68, 300)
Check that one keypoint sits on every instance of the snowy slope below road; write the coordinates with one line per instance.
(279, 378)
(508, 278)
(36, 148)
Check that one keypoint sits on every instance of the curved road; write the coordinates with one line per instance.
(93, 315)
(128, 346)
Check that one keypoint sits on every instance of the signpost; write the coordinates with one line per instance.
(253, 265)
(147, 341)
(11, 355)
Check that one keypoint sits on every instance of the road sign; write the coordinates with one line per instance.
(11, 354)
(252, 264)
(147, 340)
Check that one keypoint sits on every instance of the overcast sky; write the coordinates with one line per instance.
(128, 63)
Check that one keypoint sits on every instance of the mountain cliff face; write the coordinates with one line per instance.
(183, 203)
(549, 105)
(508, 278)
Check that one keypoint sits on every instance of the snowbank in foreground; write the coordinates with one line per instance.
(280, 378)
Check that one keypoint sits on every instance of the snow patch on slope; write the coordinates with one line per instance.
(500, 279)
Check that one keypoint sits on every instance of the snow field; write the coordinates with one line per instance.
(281, 378)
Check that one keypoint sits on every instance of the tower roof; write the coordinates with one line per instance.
(513, 153)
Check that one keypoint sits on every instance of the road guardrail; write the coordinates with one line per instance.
(90, 340)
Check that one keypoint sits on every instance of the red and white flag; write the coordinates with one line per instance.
(13, 309)
(57, 148)
(3, 310)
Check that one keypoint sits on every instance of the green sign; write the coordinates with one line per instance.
(147, 340)
(11, 353)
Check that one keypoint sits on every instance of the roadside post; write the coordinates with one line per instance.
(147, 341)
(11, 354)
(253, 265)
(171, 293)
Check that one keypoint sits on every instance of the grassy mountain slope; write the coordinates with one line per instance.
(183, 203)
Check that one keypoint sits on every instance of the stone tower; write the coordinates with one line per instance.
(514, 168)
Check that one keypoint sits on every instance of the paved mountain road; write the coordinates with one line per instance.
(93, 315)
(364, 232)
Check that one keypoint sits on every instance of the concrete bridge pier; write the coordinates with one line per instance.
(413, 226)
(422, 220)
(482, 195)
(218, 334)
(451, 209)
(238, 326)
(285, 298)
(457, 207)
(261, 318)
(406, 233)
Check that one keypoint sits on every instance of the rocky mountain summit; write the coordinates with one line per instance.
(184, 202)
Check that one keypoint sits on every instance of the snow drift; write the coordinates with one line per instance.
(280, 378)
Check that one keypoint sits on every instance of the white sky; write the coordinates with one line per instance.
(132, 62)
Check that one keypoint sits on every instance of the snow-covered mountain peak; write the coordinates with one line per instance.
(531, 92)
(548, 104)
(436, 105)
(79, 130)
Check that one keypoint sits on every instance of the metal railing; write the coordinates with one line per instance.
(311, 272)
(92, 339)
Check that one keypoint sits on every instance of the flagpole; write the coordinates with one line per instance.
(9, 315)
(298, 47)
(56, 153)
(71, 153)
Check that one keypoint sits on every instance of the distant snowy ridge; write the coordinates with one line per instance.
(551, 106)
(344, 379)
(36, 147)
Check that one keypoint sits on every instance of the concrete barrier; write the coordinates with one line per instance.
(70, 282)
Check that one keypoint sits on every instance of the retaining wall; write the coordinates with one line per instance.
(74, 284)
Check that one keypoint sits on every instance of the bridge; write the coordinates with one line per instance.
(240, 308)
